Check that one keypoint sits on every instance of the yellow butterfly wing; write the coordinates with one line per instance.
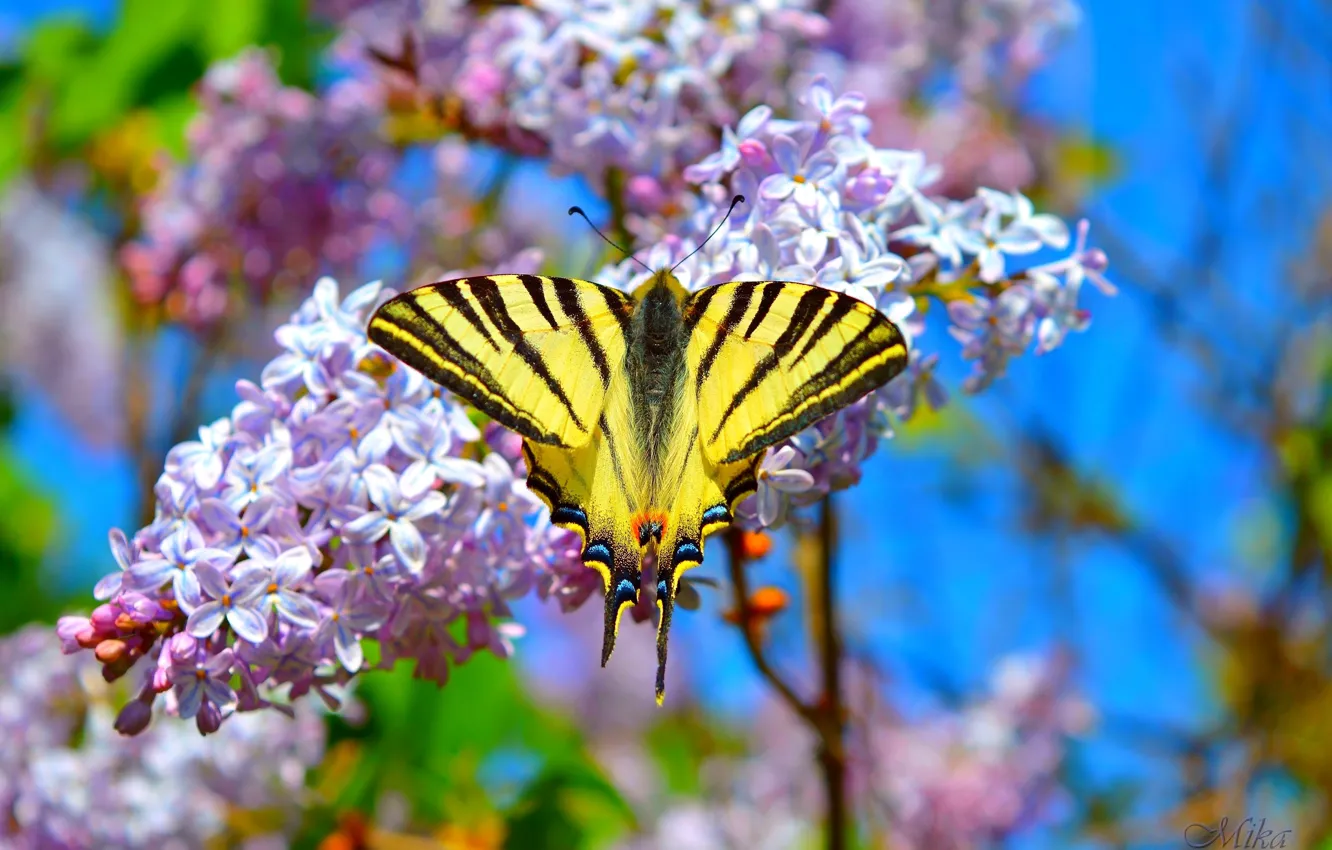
(536, 353)
(771, 358)
(764, 361)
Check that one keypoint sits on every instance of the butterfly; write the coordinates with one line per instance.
(644, 414)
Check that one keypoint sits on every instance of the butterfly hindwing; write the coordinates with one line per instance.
(770, 358)
(535, 353)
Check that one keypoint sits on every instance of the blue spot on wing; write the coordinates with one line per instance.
(688, 551)
(715, 514)
(569, 515)
(599, 552)
(661, 590)
(625, 592)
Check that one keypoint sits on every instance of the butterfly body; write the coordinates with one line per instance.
(644, 415)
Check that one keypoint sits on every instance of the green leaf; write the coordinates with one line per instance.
(147, 54)
(56, 47)
(229, 27)
(27, 526)
(566, 808)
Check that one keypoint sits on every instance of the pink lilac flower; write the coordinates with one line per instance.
(278, 183)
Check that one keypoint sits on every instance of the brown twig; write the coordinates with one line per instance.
(740, 582)
(832, 755)
(826, 716)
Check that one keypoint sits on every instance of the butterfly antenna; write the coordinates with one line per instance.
(738, 199)
(576, 210)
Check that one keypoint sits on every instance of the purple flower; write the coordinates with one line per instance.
(197, 679)
(203, 458)
(428, 440)
(182, 556)
(287, 572)
(349, 616)
(236, 530)
(777, 477)
(111, 583)
(251, 474)
(401, 502)
(799, 177)
(239, 602)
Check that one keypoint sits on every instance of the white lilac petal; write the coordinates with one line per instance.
(368, 527)
(457, 470)
(249, 586)
(427, 505)
(211, 581)
(408, 545)
(418, 478)
(382, 485)
(248, 623)
(205, 619)
(292, 566)
(790, 480)
(347, 647)
(218, 693)
(296, 609)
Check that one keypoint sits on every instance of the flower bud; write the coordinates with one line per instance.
(134, 717)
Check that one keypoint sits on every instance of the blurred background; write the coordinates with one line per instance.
(1087, 608)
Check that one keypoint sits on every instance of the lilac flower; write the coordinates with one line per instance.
(197, 679)
(714, 165)
(111, 583)
(428, 440)
(797, 176)
(280, 182)
(400, 502)
(288, 571)
(250, 474)
(181, 557)
(349, 616)
(238, 602)
(237, 530)
(202, 457)
(70, 778)
(778, 476)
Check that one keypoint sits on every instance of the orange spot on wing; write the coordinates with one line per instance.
(648, 524)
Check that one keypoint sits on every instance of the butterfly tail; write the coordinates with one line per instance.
(621, 593)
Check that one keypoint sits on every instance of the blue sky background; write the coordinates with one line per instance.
(937, 578)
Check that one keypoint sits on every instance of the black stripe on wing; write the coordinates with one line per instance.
(567, 295)
(488, 296)
(413, 321)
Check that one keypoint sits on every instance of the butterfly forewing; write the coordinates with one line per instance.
(535, 353)
(771, 358)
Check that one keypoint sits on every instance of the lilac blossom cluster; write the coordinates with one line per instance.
(278, 185)
(645, 88)
(344, 498)
(951, 780)
(824, 204)
(638, 87)
(68, 781)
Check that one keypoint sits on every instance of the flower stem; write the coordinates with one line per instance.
(832, 755)
(826, 716)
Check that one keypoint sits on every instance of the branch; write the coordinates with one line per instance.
(740, 582)
(833, 753)
(826, 717)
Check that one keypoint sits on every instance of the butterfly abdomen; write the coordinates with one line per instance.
(655, 367)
